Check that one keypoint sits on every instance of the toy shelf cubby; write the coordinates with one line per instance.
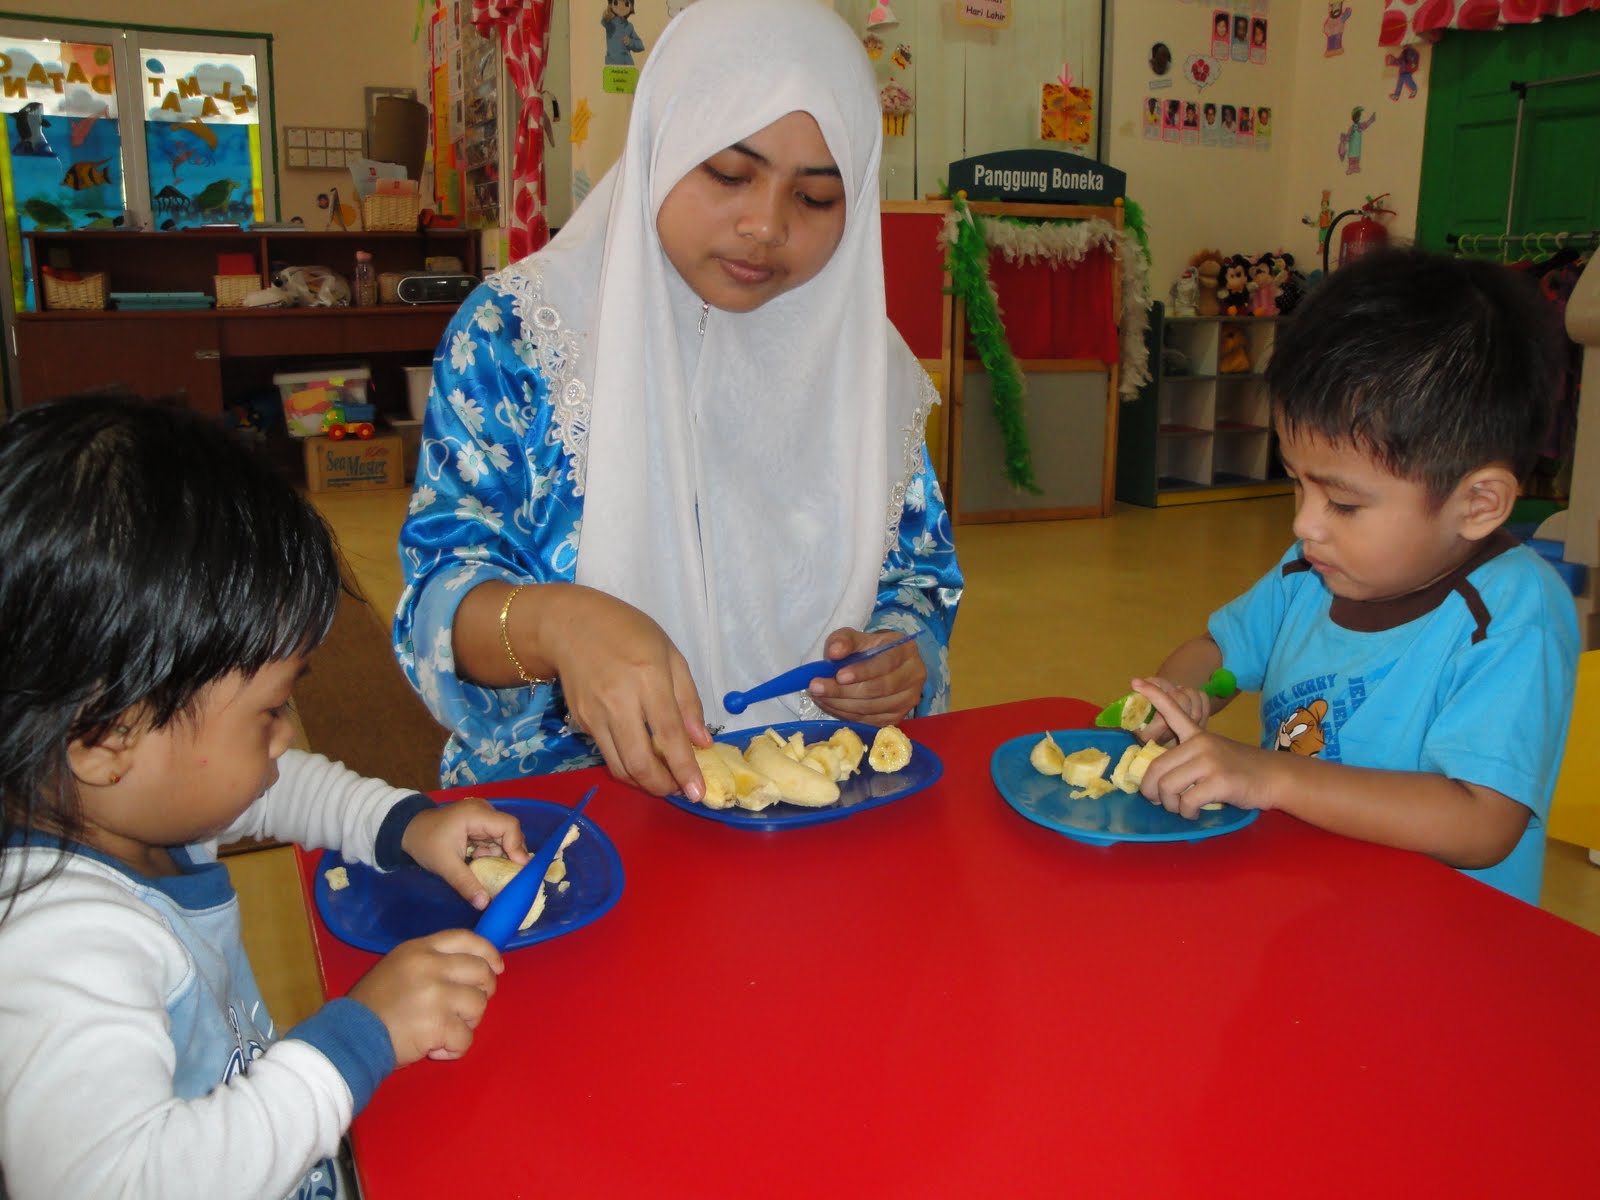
(1197, 432)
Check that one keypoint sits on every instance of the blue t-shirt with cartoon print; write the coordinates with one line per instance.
(1470, 678)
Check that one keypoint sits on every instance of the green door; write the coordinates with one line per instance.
(1471, 128)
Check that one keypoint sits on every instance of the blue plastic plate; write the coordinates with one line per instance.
(864, 790)
(378, 911)
(1116, 816)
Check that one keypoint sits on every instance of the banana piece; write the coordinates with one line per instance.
(1130, 768)
(1082, 767)
(721, 790)
(891, 750)
(1136, 712)
(795, 747)
(751, 789)
(850, 750)
(824, 759)
(1092, 789)
(495, 872)
(797, 784)
(1046, 758)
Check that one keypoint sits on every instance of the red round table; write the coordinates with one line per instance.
(938, 997)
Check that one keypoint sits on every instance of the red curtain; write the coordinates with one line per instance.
(1424, 20)
(1058, 311)
(524, 27)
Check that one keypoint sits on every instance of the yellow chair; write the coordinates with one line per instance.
(1575, 809)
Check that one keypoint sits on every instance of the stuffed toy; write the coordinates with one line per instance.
(1292, 284)
(1264, 286)
(1234, 291)
(1233, 351)
(1184, 291)
(1208, 271)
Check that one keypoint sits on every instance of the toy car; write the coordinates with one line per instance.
(337, 428)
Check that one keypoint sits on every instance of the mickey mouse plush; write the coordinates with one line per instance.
(1235, 289)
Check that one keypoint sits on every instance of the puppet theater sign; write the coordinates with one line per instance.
(1062, 311)
(1037, 177)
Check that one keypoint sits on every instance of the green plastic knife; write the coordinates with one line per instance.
(1221, 686)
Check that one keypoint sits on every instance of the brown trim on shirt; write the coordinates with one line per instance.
(1375, 616)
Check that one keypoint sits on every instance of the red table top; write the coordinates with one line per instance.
(938, 997)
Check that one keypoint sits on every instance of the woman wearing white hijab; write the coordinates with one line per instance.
(680, 449)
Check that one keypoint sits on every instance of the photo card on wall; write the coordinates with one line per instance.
(1172, 121)
(1221, 33)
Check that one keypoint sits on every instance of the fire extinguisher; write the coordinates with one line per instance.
(1362, 236)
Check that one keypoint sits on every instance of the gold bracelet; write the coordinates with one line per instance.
(505, 640)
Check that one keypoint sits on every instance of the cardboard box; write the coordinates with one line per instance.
(353, 464)
(410, 433)
(308, 395)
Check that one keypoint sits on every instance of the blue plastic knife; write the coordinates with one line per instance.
(796, 680)
(505, 912)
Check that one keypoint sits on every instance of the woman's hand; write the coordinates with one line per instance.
(441, 839)
(880, 691)
(628, 687)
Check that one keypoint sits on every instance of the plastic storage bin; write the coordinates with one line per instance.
(308, 395)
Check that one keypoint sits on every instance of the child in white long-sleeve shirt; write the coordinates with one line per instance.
(160, 590)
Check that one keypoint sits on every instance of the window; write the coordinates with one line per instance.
(130, 128)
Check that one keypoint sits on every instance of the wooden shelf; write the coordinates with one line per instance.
(1200, 434)
(190, 352)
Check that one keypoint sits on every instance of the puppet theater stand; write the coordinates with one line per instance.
(1063, 323)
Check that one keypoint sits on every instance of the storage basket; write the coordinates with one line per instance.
(390, 212)
(87, 290)
(389, 286)
(232, 289)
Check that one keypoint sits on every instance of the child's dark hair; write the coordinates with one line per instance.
(145, 552)
(1435, 366)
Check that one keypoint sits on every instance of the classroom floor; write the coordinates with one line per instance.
(1051, 608)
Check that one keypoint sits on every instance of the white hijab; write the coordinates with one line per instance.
(742, 486)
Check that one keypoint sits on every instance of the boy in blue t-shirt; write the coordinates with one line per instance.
(1415, 662)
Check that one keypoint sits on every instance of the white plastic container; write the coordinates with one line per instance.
(418, 381)
(308, 395)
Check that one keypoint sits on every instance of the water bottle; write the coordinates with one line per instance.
(366, 283)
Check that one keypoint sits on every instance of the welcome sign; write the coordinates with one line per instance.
(1037, 177)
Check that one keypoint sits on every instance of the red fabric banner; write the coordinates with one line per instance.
(1407, 21)
(524, 27)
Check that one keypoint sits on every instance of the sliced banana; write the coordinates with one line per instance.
(721, 790)
(495, 872)
(797, 784)
(1046, 757)
(1079, 768)
(824, 759)
(1130, 768)
(751, 789)
(891, 750)
(1136, 712)
(850, 748)
(1092, 789)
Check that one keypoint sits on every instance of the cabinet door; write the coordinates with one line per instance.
(175, 356)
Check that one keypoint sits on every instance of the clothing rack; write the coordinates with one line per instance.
(1528, 243)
